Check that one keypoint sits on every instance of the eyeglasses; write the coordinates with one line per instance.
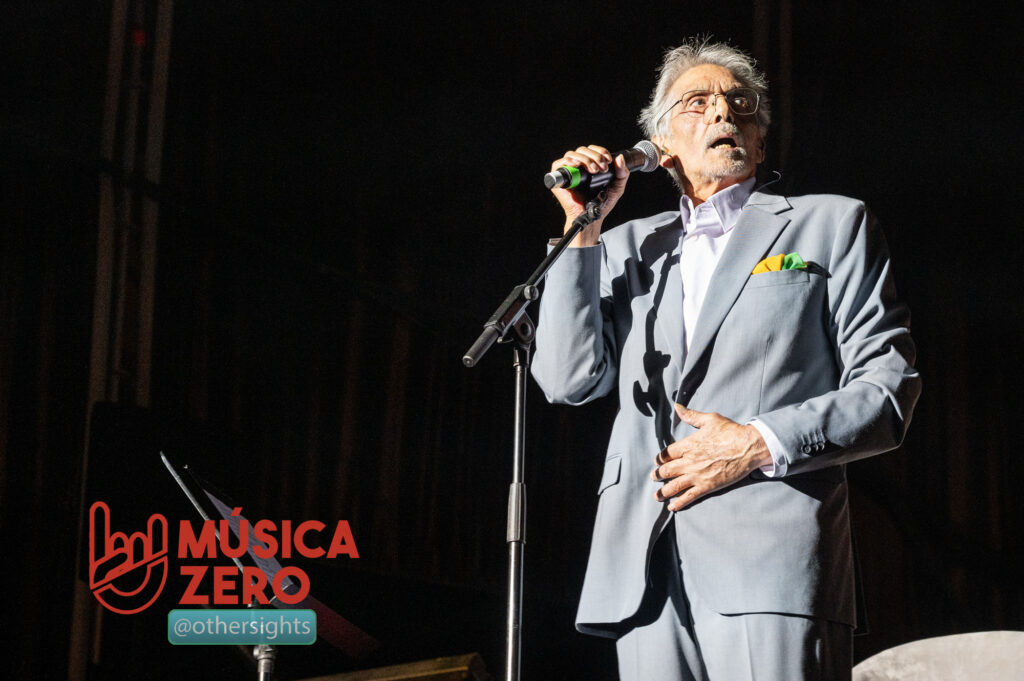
(742, 101)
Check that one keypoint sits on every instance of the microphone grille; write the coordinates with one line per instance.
(651, 154)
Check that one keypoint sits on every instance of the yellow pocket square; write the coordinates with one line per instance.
(782, 261)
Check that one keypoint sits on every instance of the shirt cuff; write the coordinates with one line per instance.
(777, 468)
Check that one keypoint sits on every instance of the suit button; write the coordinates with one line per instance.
(806, 449)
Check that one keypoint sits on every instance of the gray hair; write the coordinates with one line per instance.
(694, 52)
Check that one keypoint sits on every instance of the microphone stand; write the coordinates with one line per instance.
(511, 323)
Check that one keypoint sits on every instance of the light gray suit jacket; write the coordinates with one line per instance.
(823, 356)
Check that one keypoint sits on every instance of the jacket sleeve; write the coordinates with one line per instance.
(576, 358)
(878, 386)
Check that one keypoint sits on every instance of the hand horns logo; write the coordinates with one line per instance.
(126, 573)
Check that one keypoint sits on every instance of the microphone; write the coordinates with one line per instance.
(644, 156)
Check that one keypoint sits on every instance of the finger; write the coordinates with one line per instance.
(672, 488)
(595, 160)
(697, 419)
(686, 498)
(118, 542)
(676, 450)
(99, 530)
(621, 171)
(572, 158)
(602, 152)
(617, 188)
(667, 471)
(157, 534)
(588, 154)
(579, 161)
(667, 463)
(138, 548)
(569, 159)
(670, 453)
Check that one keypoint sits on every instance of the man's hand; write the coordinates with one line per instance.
(719, 454)
(596, 160)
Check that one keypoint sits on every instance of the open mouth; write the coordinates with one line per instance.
(724, 142)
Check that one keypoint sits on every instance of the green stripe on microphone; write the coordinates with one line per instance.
(574, 172)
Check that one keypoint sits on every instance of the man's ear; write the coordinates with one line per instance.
(761, 148)
(666, 156)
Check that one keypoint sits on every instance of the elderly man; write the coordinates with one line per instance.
(757, 346)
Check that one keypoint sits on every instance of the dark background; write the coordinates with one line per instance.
(348, 192)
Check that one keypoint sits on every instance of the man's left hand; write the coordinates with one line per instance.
(719, 454)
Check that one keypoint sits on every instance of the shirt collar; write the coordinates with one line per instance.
(722, 212)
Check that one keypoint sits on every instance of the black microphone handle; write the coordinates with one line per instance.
(580, 178)
(563, 177)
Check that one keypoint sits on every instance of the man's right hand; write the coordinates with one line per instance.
(596, 160)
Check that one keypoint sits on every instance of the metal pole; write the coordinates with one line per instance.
(516, 531)
(510, 322)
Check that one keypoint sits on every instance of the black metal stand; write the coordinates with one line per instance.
(511, 323)
(514, 306)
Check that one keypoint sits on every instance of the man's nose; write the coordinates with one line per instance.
(719, 108)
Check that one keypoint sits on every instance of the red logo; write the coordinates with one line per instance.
(126, 573)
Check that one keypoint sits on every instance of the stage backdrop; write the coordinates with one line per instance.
(348, 193)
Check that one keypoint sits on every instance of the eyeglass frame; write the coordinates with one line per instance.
(714, 98)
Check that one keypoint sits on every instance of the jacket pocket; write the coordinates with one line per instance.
(779, 278)
(612, 466)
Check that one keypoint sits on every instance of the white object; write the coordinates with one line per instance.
(981, 656)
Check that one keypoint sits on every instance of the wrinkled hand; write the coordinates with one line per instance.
(595, 159)
(719, 454)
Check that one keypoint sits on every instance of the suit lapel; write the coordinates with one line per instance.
(757, 229)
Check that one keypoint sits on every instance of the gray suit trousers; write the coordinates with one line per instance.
(676, 637)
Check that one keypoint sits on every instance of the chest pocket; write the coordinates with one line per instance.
(775, 298)
(780, 278)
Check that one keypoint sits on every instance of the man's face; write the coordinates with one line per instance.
(715, 149)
